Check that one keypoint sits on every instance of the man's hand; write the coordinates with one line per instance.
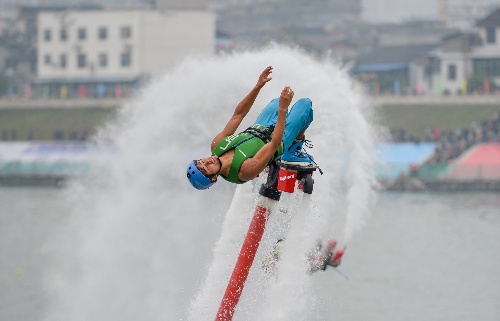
(264, 77)
(243, 107)
(286, 97)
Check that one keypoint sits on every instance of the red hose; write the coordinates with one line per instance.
(243, 264)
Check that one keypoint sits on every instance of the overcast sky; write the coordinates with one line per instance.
(401, 10)
(373, 10)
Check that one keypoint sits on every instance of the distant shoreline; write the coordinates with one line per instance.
(407, 184)
(410, 184)
(61, 103)
(472, 100)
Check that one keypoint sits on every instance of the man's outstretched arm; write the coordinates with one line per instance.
(255, 165)
(243, 107)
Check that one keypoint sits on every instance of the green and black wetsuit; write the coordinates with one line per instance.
(245, 144)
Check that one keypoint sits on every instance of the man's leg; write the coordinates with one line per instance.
(269, 115)
(297, 121)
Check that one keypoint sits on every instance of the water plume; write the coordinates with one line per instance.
(141, 244)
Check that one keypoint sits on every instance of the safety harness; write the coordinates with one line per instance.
(242, 152)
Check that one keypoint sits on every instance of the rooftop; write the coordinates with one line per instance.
(492, 20)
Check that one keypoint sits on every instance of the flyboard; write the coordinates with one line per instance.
(282, 177)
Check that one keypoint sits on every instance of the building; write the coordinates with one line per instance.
(398, 62)
(98, 53)
(448, 67)
(310, 24)
(467, 61)
(461, 62)
(486, 58)
(421, 32)
(393, 69)
(180, 4)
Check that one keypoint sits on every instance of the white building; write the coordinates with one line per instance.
(486, 58)
(105, 53)
(450, 64)
(463, 62)
(470, 57)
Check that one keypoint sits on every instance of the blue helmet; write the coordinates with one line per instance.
(196, 178)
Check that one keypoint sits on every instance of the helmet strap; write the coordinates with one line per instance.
(220, 165)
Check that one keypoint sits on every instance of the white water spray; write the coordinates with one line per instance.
(139, 242)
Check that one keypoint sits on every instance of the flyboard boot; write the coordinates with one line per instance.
(296, 155)
(296, 164)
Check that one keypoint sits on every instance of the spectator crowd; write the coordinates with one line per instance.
(450, 144)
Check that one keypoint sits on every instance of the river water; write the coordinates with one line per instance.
(420, 257)
(136, 242)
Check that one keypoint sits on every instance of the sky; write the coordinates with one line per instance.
(403, 10)
(398, 10)
(376, 11)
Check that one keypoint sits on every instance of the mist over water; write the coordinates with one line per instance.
(141, 244)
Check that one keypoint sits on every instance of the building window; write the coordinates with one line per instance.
(82, 33)
(63, 34)
(47, 59)
(82, 61)
(47, 35)
(452, 72)
(103, 60)
(491, 35)
(103, 33)
(126, 59)
(487, 67)
(126, 32)
(62, 61)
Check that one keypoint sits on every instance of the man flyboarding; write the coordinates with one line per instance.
(277, 133)
(239, 158)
